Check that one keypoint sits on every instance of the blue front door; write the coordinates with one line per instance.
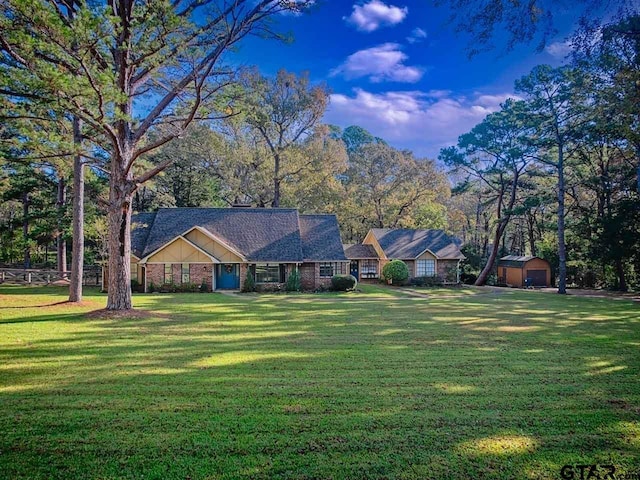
(227, 276)
(354, 269)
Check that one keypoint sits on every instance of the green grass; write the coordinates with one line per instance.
(461, 291)
(375, 384)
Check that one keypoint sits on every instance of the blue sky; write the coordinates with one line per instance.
(397, 69)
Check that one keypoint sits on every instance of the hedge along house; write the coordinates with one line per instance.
(221, 246)
(427, 253)
(520, 271)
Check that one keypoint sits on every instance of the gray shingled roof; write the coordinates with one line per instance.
(406, 244)
(259, 234)
(514, 260)
(321, 238)
(140, 227)
(359, 251)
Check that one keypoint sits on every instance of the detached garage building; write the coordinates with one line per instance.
(514, 271)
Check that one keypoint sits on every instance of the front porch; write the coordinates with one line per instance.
(364, 262)
(215, 276)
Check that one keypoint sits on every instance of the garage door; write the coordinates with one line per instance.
(538, 277)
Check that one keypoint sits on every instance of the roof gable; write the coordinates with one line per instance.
(406, 244)
(180, 250)
(212, 245)
(258, 234)
(360, 251)
(517, 261)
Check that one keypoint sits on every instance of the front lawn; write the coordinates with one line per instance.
(379, 384)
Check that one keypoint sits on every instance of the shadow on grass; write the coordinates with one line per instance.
(356, 388)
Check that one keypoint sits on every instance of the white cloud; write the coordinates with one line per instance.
(382, 63)
(559, 50)
(375, 14)
(422, 121)
(417, 35)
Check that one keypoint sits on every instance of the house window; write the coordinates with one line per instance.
(329, 269)
(186, 277)
(168, 273)
(426, 268)
(326, 269)
(269, 273)
(368, 269)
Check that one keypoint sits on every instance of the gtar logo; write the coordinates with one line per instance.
(585, 472)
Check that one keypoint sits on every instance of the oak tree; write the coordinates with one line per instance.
(123, 68)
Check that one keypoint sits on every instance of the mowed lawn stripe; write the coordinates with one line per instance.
(377, 384)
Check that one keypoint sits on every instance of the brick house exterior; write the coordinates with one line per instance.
(154, 274)
(448, 270)
(178, 247)
(308, 276)
(197, 273)
(311, 279)
(427, 253)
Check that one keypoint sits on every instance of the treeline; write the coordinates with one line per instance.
(556, 172)
(272, 151)
(553, 173)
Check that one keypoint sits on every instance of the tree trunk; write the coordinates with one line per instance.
(276, 182)
(488, 268)
(638, 167)
(119, 224)
(25, 230)
(77, 249)
(503, 221)
(61, 243)
(562, 249)
(531, 234)
(485, 235)
(476, 238)
(622, 282)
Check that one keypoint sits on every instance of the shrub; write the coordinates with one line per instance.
(167, 288)
(249, 284)
(396, 271)
(186, 288)
(293, 282)
(152, 287)
(468, 278)
(135, 285)
(426, 281)
(204, 288)
(342, 283)
(268, 287)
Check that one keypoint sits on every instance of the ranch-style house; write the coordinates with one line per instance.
(427, 253)
(221, 246)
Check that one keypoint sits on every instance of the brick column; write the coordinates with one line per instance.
(201, 271)
(244, 268)
(155, 275)
(308, 276)
(176, 273)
